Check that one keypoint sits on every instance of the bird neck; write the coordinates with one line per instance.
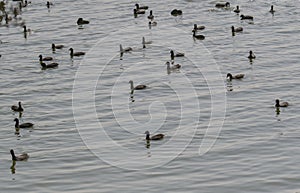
(131, 86)
(147, 136)
(14, 158)
(17, 123)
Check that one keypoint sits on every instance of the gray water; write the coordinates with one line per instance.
(93, 140)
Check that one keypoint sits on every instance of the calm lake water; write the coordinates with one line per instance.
(89, 131)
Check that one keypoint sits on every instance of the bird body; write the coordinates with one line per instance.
(23, 125)
(22, 157)
(138, 87)
(45, 58)
(238, 29)
(243, 17)
(138, 11)
(141, 7)
(72, 53)
(17, 108)
(81, 21)
(51, 65)
(176, 12)
(222, 4)
(178, 54)
(238, 76)
(237, 10)
(122, 50)
(199, 37)
(201, 27)
(272, 9)
(154, 137)
(174, 67)
(57, 46)
(251, 55)
(281, 104)
(151, 16)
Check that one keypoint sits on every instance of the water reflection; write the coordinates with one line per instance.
(12, 167)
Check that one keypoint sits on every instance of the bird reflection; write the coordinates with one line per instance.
(147, 144)
(131, 97)
(17, 132)
(12, 167)
(250, 60)
(229, 86)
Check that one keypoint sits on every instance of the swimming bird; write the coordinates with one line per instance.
(178, 54)
(251, 55)
(17, 108)
(174, 67)
(26, 30)
(23, 125)
(154, 137)
(80, 21)
(22, 157)
(152, 23)
(238, 29)
(72, 53)
(201, 27)
(176, 12)
(243, 17)
(199, 37)
(238, 76)
(57, 46)
(48, 4)
(282, 104)
(151, 16)
(222, 4)
(49, 58)
(138, 11)
(138, 87)
(237, 10)
(51, 65)
(272, 9)
(123, 50)
(144, 42)
(141, 7)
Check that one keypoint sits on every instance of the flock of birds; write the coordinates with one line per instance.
(18, 108)
(170, 64)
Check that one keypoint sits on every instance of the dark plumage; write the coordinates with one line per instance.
(196, 28)
(45, 59)
(138, 87)
(222, 4)
(23, 125)
(154, 137)
(251, 55)
(57, 46)
(140, 7)
(51, 65)
(72, 53)
(176, 12)
(238, 29)
(178, 54)
(282, 104)
(243, 17)
(237, 10)
(151, 16)
(272, 9)
(238, 76)
(138, 11)
(80, 21)
(22, 157)
(17, 108)
(199, 37)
